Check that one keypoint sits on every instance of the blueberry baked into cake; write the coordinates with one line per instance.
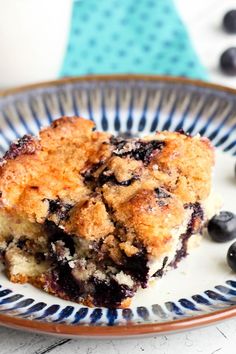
(91, 217)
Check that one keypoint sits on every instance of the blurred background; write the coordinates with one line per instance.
(49, 39)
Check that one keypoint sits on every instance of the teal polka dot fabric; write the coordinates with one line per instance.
(129, 36)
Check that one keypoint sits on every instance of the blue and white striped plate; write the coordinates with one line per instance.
(203, 289)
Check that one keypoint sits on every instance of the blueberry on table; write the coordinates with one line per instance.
(231, 257)
(222, 227)
(229, 21)
(228, 61)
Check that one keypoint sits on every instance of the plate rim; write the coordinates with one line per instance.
(117, 77)
(129, 329)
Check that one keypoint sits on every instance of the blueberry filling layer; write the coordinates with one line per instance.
(136, 266)
(83, 271)
(194, 226)
(110, 294)
(62, 282)
(79, 271)
(57, 234)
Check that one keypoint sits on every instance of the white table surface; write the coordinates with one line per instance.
(203, 18)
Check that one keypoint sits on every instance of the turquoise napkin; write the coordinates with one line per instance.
(129, 36)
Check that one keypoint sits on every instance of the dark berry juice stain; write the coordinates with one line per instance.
(58, 207)
(55, 233)
(88, 174)
(39, 257)
(2, 254)
(159, 273)
(195, 221)
(118, 142)
(31, 248)
(110, 294)
(162, 193)
(63, 281)
(23, 146)
(136, 266)
(27, 245)
(197, 216)
(21, 243)
(136, 149)
(107, 293)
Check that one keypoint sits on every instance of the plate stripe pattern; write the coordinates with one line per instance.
(121, 107)
(221, 297)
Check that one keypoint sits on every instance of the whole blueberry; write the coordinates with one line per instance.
(228, 61)
(229, 21)
(231, 256)
(222, 227)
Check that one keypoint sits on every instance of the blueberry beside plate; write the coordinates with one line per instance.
(222, 227)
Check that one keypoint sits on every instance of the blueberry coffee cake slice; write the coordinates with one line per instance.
(91, 217)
